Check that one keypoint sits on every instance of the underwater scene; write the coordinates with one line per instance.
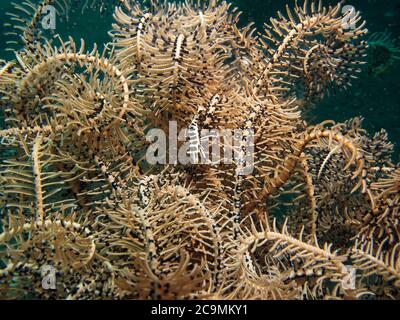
(199, 149)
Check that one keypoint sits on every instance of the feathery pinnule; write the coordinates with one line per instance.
(78, 195)
(25, 24)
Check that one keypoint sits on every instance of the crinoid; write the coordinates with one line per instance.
(81, 195)
(383, 52)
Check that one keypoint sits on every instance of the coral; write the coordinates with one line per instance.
(78, 193)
